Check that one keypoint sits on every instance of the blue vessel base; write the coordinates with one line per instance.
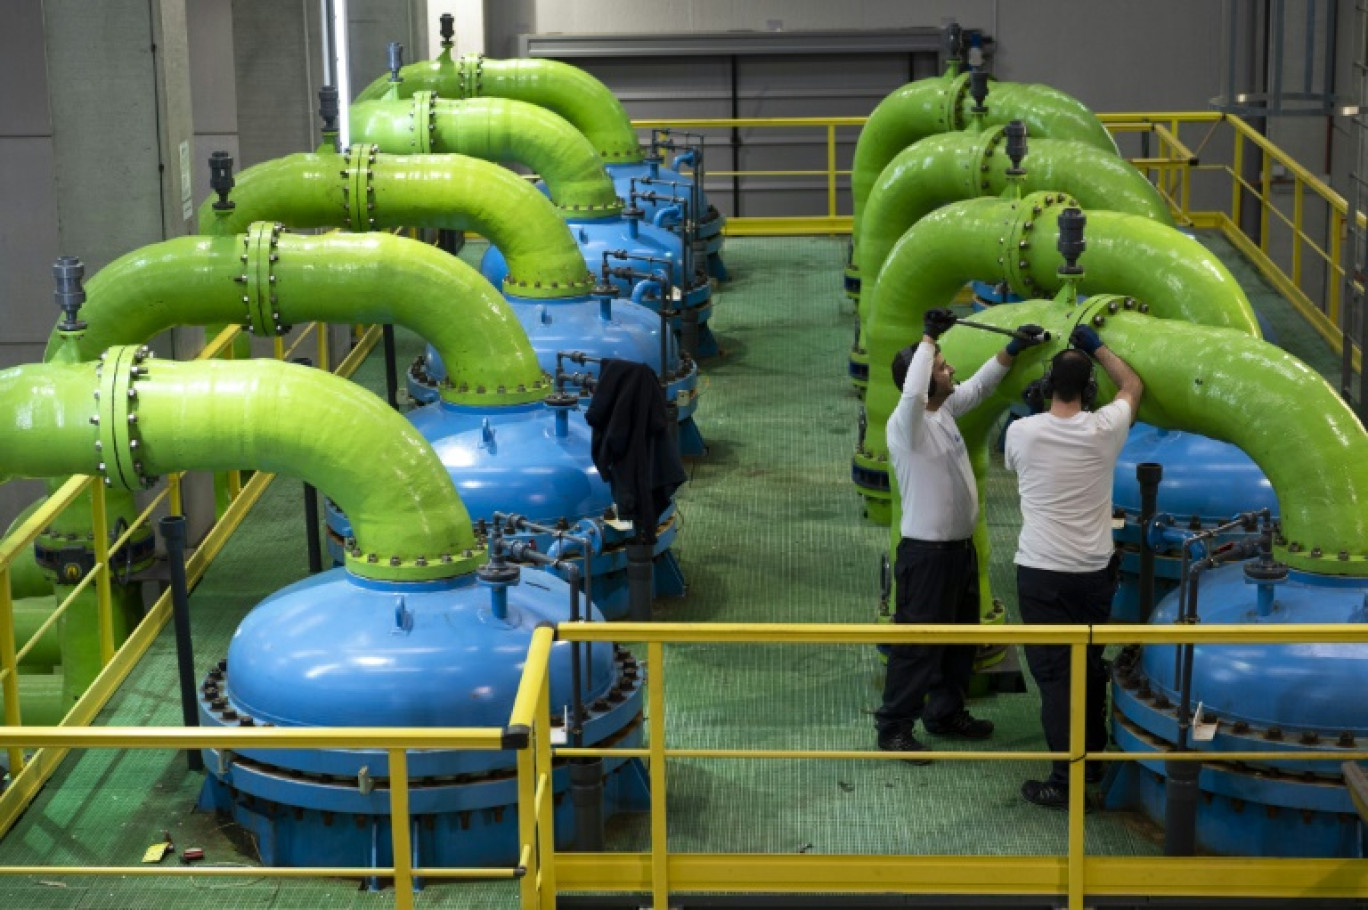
(691, 444)
(293, 837)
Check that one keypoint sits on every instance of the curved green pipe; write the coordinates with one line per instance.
(950, 167)
(26, 578)
(568, 90)
(130, 417)
(1223, 384)
(495, 129)
(942, 104)
(362, 190)
(41, 701)
(1174, 275)
(269, 280)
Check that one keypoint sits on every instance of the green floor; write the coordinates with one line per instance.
(771, 532)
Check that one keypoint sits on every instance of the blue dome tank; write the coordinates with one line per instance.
(649, 249)
(1267, 699)
(1205, 483)
(600, 327)
(339, 651)
(534, 460)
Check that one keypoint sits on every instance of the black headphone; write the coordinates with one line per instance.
(1089, 394)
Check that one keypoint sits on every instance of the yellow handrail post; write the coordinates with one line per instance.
(1078, 714)
(831, 170)
(321, 328)
(1334, 279)
(9, 665)
(528, 819)
(1237, 178)
(402, 844)
(174, 504)
(104, 598)
(655, 697)
(1265, 199)
(1297, 231)
(546, 819)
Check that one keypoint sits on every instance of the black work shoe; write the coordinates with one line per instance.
(1047, 794)
(903, 741)
(963, 725)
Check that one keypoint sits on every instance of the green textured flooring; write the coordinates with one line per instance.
(771, 532)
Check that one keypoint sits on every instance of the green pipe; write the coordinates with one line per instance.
(942, 104)
(40, 701)
(1220, 383)
(363, 190)
(271, 280)
(26, 579)
(567, 90)
(939, 170)
(495, 129)
(1175, 276)
(130, 418)
(29, 614)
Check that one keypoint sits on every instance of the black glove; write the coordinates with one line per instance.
(1026, 336)
(937, 322)
(1085, 339)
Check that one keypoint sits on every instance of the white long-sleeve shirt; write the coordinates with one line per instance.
(939, 496)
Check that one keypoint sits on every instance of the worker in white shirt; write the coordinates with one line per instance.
(1066, 559)
(936, 569)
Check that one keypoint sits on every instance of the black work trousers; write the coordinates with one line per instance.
(1066, 598)
(937, 582)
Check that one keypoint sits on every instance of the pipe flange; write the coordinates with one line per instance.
(470, 75)
(1016, 239)
(422, 122)
(118, 446)
(358, 191)
(979, 176)
(952, 113)
(260, 253)
(380, 567)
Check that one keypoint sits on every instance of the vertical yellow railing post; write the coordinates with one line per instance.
(278, 343)
(1334, 279)
(321, 329)
(1078, 715)
(174, 504)
(546, 820)
(831, 170)
(1266, 200)
(402, 845)
(104, 598)
(1237, 175)
(655, 700)
(1297, 231)
(528, 820)
(9, 665)
(234, 479)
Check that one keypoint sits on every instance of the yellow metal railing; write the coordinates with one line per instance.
(529, 732)
(1074, 875)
